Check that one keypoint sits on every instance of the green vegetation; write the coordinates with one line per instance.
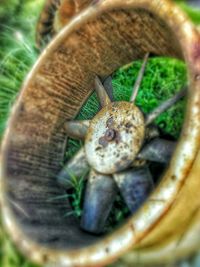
(8, 254)
(163, 77)
(18, 53)
(75, 198)
(17, 56)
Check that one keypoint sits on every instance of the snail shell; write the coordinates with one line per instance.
(103, 37)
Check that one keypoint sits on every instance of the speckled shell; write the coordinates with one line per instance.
(105, 36)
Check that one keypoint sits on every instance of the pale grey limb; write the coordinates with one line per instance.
(158, 150)
(76, 167)
(101, 92)
(77, 129)
(164, 106)
(135, 186)
(107, 83)
(98, 201)
(139, 79)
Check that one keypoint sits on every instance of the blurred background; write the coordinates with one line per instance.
(18, 53)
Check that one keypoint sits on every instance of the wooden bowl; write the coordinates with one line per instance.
(103, 37)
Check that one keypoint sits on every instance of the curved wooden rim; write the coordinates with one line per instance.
(136, 229)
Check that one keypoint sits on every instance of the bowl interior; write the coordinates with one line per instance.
(58, 86)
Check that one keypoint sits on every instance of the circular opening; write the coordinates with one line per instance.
(161, 83)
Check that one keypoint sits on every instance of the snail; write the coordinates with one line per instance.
(101, 38)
